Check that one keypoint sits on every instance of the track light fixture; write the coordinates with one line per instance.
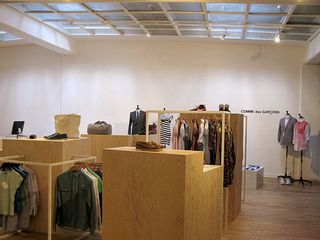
(223, 35)
(277, 38)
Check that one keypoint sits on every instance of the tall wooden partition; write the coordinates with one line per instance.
(160, 195)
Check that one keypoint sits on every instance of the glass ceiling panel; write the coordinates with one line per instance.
(194, 33)
(269, 8)
(220, 18)
(133, 32)
(226, 7)
(259, 36)
(262, 30)
(189, 7)
(304, 20)
(293, 37)
(103, 6)
(104, 32)
(163, 32)
(307, 9)
(126, 25)
(187, 17)
(159, 26)
(115, 16)
(102, 26)
(25, 7)
(4, 36)
(48, 16)
(142, 6)
(198, 28)
(156, 16)
(67, 7)
(307, 30)
(265, 19)
(81, 16)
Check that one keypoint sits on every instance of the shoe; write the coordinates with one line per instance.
(148, 146)
(221, 107)
(282, 181)
(201, 107)
(288, 181)
(57, 136)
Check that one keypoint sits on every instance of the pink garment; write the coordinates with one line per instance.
(301, 135)
(175, 134)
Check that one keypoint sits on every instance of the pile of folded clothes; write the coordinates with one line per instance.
(252, 167)
(152, 146)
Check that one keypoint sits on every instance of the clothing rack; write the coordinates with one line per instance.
(225, 117)
(49, 166)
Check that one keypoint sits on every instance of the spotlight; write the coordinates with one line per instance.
(279, 6)
(277, 38)
(222, 36)
(148, 35)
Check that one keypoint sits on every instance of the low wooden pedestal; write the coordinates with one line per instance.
(166, 195)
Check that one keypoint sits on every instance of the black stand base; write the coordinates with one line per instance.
(302, 181)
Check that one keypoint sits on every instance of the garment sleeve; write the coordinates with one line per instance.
(91, 206)
(294, 133)
(279, 131)
(57, 205)
(307, 132)
(130, 124)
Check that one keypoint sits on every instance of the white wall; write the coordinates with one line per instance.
(108, 78)
(30, 88)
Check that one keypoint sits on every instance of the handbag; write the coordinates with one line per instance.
(100, 128)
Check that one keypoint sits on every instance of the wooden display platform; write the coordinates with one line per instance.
(99, 142)
(45, 151)
(160, 195)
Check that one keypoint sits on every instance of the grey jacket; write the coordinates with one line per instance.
(285, 133)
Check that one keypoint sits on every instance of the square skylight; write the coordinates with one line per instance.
(67, 7)
(265, 19)
(221, 18)
(226, 7)
(269, 8)
(187, 17)
(26, 7)
(4, 36)
(115, 16)
(141, 6)
(189, 7)
(104, 6)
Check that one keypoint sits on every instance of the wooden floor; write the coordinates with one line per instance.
(273, 212)
(279, 212)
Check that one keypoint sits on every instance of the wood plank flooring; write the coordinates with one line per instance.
(279, 212)
(272, 212)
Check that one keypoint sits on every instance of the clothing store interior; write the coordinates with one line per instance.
(160, 119)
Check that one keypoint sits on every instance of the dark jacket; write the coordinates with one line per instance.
(75, 205)
(137, 125)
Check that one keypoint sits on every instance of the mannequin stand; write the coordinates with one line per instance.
(286, 170)
(301, 180)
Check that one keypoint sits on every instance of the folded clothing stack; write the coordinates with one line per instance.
(252, 167)
(148, 146)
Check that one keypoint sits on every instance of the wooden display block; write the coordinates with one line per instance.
(45, 151)
(160, 195)
(99, 142)
(254, 178)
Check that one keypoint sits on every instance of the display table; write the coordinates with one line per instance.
(99, 142)
(45, 151)
(160, 195)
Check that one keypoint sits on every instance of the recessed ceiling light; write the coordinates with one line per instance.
(279, 6)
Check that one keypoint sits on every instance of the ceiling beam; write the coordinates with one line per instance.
(170, 19)
(204, 8)
(295, 2)
(21, 25)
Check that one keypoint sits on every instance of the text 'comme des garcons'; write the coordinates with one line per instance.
(270, 112)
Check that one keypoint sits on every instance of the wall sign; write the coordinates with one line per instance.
(251, 111)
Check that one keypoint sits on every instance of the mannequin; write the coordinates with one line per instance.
(137, 122)
(285, 138)
(301, 140)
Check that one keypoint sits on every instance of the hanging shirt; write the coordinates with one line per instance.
(165, 131)
(10, 181)
(301, 135)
